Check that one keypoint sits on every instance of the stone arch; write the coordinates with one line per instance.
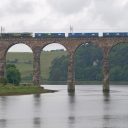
(27, 73)
(96, 62)
(56, 42)
(87, 42)
(44, 46)
(117, 69)
(13, 44)
(115, 44)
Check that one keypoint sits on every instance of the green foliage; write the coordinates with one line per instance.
(119, 63)
(10, 66)
(88, 64)
(3, 81)
(88, 61)
(58, 71)
(13, 74)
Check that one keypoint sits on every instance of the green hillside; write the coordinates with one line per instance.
(24, 62)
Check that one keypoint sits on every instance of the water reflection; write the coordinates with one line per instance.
(3, 106)
(37, 111)
(71, 98)
(3, 102)
(87, 108)
(3, 123)
(71, 116)
(106, 110)
(37, 122)
(37, 100)
(106, 96)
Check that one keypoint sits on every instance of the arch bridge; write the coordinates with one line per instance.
(71, 44)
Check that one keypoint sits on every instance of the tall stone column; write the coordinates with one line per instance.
(71, 73)
(36, 67)
(106, 73)
(2, 67)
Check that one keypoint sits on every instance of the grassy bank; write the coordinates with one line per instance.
(22, 90)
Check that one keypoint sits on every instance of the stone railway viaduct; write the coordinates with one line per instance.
(71, 44)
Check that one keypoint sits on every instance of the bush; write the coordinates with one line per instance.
(13, 75)
(3, 81)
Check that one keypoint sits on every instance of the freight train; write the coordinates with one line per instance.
(61, 35)
(15, 35)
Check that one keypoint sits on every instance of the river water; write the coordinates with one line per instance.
(87, 108)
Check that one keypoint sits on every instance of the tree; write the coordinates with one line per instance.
(88, 65)
(58, 70)
(12, 74)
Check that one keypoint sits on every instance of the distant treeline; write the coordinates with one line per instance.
(88, 64)
(16, 61)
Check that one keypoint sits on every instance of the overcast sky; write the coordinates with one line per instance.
(58, 15)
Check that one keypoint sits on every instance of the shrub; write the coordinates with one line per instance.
(3, 81)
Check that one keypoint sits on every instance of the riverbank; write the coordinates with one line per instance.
(7, 90)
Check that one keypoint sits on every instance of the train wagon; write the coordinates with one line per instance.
(115, 34)
(16, 35)
(82, 35)
(26, 34)
(49, 35)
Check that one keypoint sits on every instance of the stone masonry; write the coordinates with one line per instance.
(71, 44)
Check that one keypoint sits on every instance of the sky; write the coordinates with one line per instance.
(57, 15)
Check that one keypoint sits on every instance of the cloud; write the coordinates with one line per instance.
(57, 15)
(16, 8)
(111, 12)
(18, 14)
(19, 7)
(68, 6)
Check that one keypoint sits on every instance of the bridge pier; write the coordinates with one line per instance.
(106, 75)
(2, 67)
(36, 68)
(71, 73)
